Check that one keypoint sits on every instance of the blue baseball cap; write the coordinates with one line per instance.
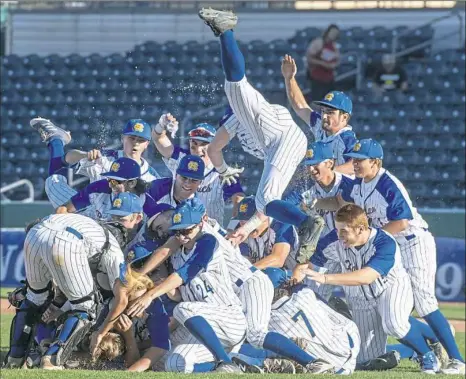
(123, 169)
(246, 208)
(125, 203)
(153, 212)
(191, 166)
(202, 132)
(140, 251)
(318, 152)
(337, 100)
(139, 128)
(365, 149)
(187, 215)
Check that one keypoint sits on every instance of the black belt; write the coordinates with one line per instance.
(239, 282)
(74, 231)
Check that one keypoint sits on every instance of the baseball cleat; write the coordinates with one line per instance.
(309, 233)
(247, 367)
(48, 362)
(218, 21)
(47, 129)
(228, 368)
(319, 366)
(13, 362)
(440, 353)
(454, 367)
(279, 366)
(384, 362)
(429, 363)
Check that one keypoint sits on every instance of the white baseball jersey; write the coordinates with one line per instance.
(268, 132)
(383, 307)
(342, 183)
(59, 247)
(385, 199)
(258, 248)
(94, 169)
(329, 335)
(211, 191)
(342, 142)
(204, 272)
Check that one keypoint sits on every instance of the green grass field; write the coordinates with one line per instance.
(406, 369)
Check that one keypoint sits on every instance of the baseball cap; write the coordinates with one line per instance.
(123, 169)
(318, 152)
(202, 132)
(137, 127)
(140, 251)
(191, 166)
(365, 149)
(187, 215)
(152, 213)
(125, 203)
(337, 100)
(246, 209)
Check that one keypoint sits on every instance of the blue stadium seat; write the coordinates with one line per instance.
(54, 61)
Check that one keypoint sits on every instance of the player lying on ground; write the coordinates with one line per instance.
(70, 249)
(266, 131)
(389, 207)
(212, 192)
(135, 137)
(329, 123)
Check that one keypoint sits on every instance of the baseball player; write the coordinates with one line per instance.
(69, 249)
(330, 124)
(376, 285)
(135, 136)
(211, 191)
(266, 131)
(165, 190)
(210, 309)
(388, 206)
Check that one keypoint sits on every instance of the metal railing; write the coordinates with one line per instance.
(452, 14)
(19, 183)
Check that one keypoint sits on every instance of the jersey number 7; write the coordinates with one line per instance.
(306, 321)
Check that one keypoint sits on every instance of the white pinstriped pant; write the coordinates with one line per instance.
(228, 322)
(388, 315)
(273, 129)
(59, 255)
(256, 295)
(419, 258)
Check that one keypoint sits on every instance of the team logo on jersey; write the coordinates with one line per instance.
(117, 203)
(131, 255)
(138, 127)
(193, 166)
(177, 218)
(357, 147)
(115, 167)
(243, 208)
(310, 153)
(329, 96)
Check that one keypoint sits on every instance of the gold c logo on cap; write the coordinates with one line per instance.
(193, 166)
(131, 255)
(310, 153)
(115, 167)
(177, 218)
(117, 203)
(138, 127)
(243, 208)
(329, 96)
(357, 147)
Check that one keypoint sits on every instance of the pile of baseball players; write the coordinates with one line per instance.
(140, 269)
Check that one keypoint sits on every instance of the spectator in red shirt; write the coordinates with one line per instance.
(323, 57)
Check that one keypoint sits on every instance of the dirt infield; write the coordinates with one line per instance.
(459, 325)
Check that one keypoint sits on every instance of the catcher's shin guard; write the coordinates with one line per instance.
(73, 330)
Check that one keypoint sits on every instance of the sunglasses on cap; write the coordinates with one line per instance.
(184, 232)
(115, 182)
(203, 133)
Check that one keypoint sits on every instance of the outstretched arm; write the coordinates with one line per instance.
(159, 134)
(294, 93)
(214, 150)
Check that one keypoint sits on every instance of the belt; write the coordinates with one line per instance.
(239, 282)
(74, 231)
(412, 236)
